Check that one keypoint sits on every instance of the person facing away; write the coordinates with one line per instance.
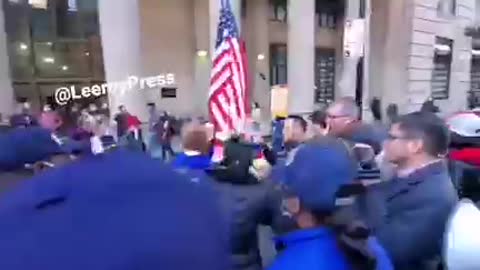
(23, 117)
(249, 202)
(277, 134)
(195, 142)
(121, 118)
(343, 120)
(319, 123)
(410, 211)
(392, 113)
(154, 116)
(94, 214)
(315, 174)
(165, 133)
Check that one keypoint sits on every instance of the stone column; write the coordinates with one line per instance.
(202, 62)
(258, 45)
(6, 89)
(121, 52)
(301, 56)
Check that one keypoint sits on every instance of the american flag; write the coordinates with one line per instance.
(228, 97)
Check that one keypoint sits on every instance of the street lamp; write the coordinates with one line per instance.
(49, 60)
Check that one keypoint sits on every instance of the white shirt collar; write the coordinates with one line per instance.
(408, 171)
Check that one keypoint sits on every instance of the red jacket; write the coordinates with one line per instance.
(468, 155)
(133, 122)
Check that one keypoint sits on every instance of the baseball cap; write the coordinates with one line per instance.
(316, 172)
(118, 210)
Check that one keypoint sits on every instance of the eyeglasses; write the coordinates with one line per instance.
(392, 137)
(332, 116)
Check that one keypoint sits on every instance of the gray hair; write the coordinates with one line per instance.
(348, 107)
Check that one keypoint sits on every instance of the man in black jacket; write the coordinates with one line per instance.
(248, 201)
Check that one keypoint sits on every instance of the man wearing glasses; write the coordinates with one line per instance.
(409, 212)
(343, 120)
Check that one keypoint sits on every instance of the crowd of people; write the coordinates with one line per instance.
(337, 192)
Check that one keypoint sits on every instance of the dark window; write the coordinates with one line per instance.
(328, 13)
(69, 20)
(324, 75)
(244, 8)
(62, 59)
(278, 10)
(442, 61)
(362, 8)
(278, 64)
(42, 23)
(54, 41)
(327, 20)
(446, 8)
(169, 92)
(474, 95)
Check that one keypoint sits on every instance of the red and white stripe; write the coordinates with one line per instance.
(228, 99)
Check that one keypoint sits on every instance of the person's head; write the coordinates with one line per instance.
(295, 129)
(151, 107)
(376, 109)
(25, 107)
(74, 108)
(319, 123)
(92, 107)
(47, 108)
(416, 138)
(122, 109)
(314, 179)
(313, 176)
(195, 137)
(429, 106)
(341, 114)
(50, 120)
(256, 105)
(392, 112)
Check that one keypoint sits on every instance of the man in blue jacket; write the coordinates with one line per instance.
(409, 212)
(313, 177)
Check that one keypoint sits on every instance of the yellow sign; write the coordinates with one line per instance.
(279, 101)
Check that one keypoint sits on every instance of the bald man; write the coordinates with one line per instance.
(343, 120)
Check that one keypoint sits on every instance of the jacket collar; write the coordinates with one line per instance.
(407, 172)
(424, 172)
(304, 235)
(401, 185)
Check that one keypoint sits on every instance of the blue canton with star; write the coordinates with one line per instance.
(227, 26)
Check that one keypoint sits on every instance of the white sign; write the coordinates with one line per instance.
(354, 38)
(69, 93)
(40, 4)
